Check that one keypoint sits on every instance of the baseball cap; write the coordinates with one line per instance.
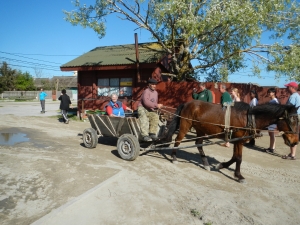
(152, 81)
(292, 84)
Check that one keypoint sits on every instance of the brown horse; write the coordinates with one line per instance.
(209, 119)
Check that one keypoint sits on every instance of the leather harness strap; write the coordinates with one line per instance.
(227, 130)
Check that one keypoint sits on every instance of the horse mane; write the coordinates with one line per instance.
(269, 109)
(241, 106)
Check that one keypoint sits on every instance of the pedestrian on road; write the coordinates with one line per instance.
(42, 100)
(294, 99)
(65, 103)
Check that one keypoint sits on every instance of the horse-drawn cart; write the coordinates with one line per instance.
(236, 124)
(126, 129)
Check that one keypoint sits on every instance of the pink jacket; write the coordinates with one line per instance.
(149, 99)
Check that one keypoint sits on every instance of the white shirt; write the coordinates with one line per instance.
(253, 102)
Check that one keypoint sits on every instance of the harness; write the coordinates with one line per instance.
(288, 119)
(227, 131)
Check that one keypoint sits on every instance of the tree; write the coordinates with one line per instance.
(24, 82)
(213, 35)
(7, 78)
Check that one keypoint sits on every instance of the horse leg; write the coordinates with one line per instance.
(202, 154)
(183, 129)
(237, 157)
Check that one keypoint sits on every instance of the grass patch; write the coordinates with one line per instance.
(97, 111)
(195, 213)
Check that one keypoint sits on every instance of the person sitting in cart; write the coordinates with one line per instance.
(116, 108)
(147, 112)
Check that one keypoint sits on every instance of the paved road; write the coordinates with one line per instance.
(29, 108)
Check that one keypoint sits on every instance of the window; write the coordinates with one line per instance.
(121, 86)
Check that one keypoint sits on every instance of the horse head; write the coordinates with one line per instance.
(288, 123)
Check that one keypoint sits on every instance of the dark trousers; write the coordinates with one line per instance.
(64, 113)
(43, 105)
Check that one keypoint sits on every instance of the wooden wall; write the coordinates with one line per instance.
(171, 94)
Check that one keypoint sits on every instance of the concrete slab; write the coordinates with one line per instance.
(71, 212)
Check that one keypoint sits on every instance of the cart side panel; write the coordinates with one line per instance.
(93, 125)
(134, 126)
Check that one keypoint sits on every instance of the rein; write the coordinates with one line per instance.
(217, 124)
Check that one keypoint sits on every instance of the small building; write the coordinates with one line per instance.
(123, 69)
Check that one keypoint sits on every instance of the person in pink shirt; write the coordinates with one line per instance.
(147, 112)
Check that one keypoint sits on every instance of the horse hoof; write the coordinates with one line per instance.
(242, 181)
(219, 166)
(207, 168)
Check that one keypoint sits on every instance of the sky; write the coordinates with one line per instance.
(35, 38)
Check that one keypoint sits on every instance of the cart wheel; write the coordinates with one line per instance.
(128, 147)
(90, 138)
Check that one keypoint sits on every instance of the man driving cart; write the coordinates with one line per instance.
(147, 112)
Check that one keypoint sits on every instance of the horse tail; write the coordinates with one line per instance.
(174, 125)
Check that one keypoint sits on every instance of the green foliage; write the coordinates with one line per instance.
(24, 82)
(11, 79)
(7, 78)
(213, 33)
(208, 223)
(195, 212)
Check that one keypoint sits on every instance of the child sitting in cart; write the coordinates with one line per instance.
(116, 108)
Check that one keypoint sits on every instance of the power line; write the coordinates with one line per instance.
(34, 67)
(38, 54)
(26, 62)
(28, 57)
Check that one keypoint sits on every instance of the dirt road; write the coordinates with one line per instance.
(52, 168)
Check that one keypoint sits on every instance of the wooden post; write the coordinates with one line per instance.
(82, 109)
(138, 77)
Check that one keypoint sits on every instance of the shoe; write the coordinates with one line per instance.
(270, 150)
(227, 145)
(288, 157)
(153, 137)
(67, 122)
(147, 138)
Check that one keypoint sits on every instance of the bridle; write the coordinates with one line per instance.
(288, 119)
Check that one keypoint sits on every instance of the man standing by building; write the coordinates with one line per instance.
(42, 100)
(294, 99)
(225, 98)
(147, 112)
(203, 95)
(225, 95)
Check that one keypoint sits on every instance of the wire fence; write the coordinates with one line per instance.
(35, 95)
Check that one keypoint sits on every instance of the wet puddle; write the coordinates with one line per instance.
(12, 138)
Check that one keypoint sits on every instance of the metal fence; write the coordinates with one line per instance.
(33, 94)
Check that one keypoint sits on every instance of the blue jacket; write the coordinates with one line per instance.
(117, 111)
(42, 95)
